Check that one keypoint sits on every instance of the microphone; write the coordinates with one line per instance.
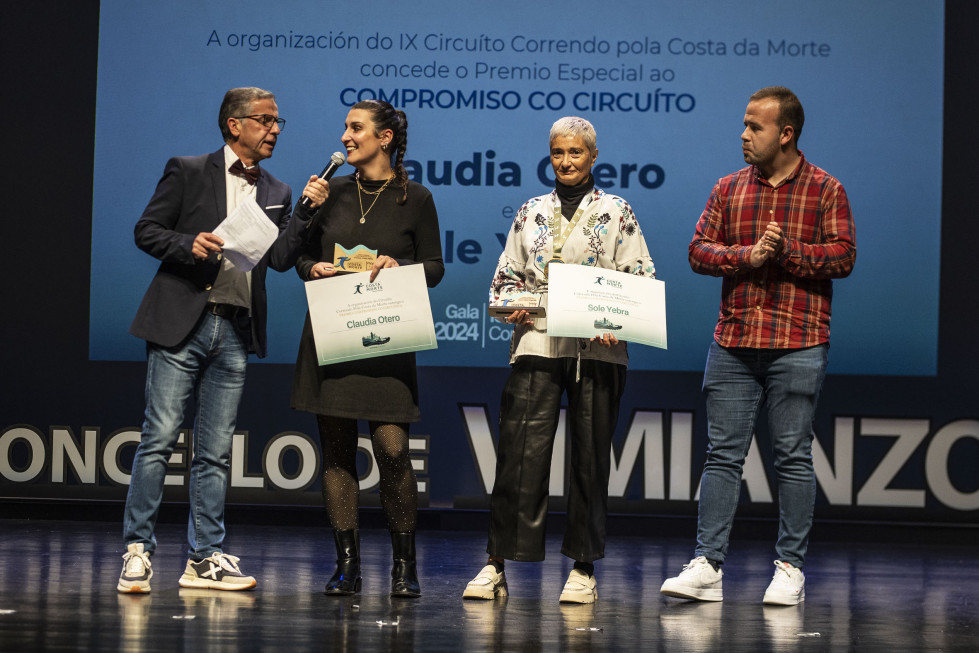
(336, 161)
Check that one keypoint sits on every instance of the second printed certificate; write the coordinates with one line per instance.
(353, 317)
(584, 301)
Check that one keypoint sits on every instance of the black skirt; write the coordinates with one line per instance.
(379, 389)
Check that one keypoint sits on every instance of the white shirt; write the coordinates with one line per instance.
(233, 286)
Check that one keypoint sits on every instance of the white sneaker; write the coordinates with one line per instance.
(698, 581)
(788, 586)
(136, 570)
(579, 588)
(219, 571)
(486, 585)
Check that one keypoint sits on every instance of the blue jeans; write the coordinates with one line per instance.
(210, 367)
(736, 382)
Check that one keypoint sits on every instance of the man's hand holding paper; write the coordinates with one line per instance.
(247, 234)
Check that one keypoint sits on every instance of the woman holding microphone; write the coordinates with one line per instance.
(379, 207)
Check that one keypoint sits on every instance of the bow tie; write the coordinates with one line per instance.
(250, 174)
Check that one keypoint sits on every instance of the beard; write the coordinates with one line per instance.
(761, 158)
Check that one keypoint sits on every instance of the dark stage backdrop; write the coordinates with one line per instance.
(92, 123)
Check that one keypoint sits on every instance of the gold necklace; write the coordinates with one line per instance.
(376, 193)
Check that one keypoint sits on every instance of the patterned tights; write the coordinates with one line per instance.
(399, 490)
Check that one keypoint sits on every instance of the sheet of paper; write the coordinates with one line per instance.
(584, 302)
(354, 318)
(247, 234)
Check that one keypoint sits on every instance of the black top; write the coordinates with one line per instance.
(384, 388)
(570, 196)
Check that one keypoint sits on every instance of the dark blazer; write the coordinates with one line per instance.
(191, 198)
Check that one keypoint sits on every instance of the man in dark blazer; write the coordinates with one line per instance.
(201, 317)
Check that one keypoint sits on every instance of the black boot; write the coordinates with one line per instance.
(404, 578)
(346, 579)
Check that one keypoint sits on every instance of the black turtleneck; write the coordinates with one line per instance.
(570, 196)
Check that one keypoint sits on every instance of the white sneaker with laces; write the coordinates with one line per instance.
(579, 588)
(788, 586)
(488, 584)
(136, 570)
(698, 581)
(219, 571)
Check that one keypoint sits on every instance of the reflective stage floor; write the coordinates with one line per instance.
(58, 592)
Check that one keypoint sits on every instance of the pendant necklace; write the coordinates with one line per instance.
(375, 193)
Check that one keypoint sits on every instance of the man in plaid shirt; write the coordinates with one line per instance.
(778, 232)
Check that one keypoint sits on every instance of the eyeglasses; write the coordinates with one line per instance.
(265, 120)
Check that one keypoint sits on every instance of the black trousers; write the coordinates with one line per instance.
(529, 417)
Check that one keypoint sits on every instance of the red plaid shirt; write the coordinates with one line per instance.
(785, 303)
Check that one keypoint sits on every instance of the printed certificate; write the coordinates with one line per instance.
(584, 302)
(353, 318)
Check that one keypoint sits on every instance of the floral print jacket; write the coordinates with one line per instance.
(607, 235)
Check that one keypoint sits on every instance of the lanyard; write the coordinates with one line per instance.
(559, 237)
